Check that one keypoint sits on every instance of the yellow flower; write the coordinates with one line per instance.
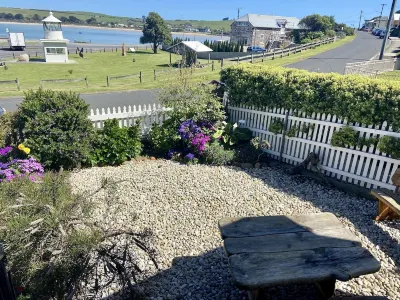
(27, 150)
(21, 147)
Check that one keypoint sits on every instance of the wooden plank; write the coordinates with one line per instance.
(257, 226)
(330, 238)
(257, 270)
(386, 196)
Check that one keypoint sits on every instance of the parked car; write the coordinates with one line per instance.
(382, 34)
(2, 111)
(377, 32)
(255, 49)
(374, 31)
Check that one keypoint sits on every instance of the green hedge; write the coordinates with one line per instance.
(355, 98)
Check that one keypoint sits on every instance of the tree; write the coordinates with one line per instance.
(317, 22)
(73, 19)
(36, 17)
(19, 17)
(91, 20)
(9, 16)
(155, 31)
(64, 19)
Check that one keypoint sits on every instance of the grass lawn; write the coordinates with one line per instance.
(392, 75)
(97, 66)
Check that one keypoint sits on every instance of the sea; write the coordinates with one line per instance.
(95, 36)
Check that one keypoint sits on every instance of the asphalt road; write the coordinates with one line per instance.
(363, 47)
(103, 100)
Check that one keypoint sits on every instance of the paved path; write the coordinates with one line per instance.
(101, 100)
(363, 47)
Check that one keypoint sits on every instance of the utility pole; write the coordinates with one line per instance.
(238, 13)
(383, 5)
(359, 24)
(387, 34)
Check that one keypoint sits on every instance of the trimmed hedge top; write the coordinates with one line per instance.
(355, 98)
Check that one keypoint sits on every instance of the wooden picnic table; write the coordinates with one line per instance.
(279, 250)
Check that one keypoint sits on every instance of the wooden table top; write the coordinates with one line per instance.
(278, 250)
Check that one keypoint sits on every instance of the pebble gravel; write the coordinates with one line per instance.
(182, 205)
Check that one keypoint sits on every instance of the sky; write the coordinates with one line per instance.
(345, 11)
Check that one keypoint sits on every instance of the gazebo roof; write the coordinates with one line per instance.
(51, 19)
(196, 46)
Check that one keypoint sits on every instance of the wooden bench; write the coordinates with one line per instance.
(389, 204)
(280, 250)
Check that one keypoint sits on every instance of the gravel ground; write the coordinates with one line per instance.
(182, 205)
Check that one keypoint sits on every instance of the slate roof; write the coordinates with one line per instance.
(270, 21)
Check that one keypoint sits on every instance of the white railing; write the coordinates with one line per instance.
(366, 167)
(128, 115)
(370, 68)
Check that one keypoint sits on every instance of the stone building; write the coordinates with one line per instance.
(262, 30)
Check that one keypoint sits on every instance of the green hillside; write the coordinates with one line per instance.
(29, 16)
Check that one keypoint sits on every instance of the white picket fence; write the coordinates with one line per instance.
(127, 115)
(366, 167)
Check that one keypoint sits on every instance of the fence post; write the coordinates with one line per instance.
(87, 82)
(140, 76)
(281, 53)
(76, 51)
(91, 51)
(284, 136)
(17, 82)
(209, 57)
(36, 53)
(273, 55)
(238, 60)
(180, 72)
(108, 81)
(222, 63)
(212, 66)
(155, 76)
(104, 50)
(116, 49)
(252, 57)
(170, 58)
(13, 55)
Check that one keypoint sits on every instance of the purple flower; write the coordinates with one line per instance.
(188, 129)
(4, 151)
(200, 141)
(190, 156)
(20, 168)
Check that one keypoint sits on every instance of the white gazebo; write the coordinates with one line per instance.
(54, 45)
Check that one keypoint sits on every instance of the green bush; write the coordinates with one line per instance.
(232, 135)
(55, 125)
(216, 155)
(390, 145)
(6, 121)
(114, 145)
(345, 137)
(163, 138)
(358, 99)
(53, 245)
(252, 152)
(196, 102)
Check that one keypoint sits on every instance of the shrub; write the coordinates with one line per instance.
(232, 135)
(70, 71)
(252, 152)
(215, 154)
(114, 145)
(6, 121)
(345, 137)
(196, 102)
(163, 138)
(358, 99)
(390, 145)
(55, 125)
(54, 247)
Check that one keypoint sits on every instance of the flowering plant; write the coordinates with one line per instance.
(11, 166)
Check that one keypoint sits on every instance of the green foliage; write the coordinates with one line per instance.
(53, 244)
(155, 31)
(232, 135)
(292, 132)
(390, 145)
(252, 152)
(345, 137)
(197, 102)
(55, 125)
(70, 71)
(114, 145)
(6, 121)
(358, 99)
(215, 154)
(163, 138)
(276, 126)
(317, 22)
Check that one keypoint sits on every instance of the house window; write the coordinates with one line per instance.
(55, 50)
(242, 41)
(242, 23)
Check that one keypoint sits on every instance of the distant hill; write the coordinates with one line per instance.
(91, 18)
